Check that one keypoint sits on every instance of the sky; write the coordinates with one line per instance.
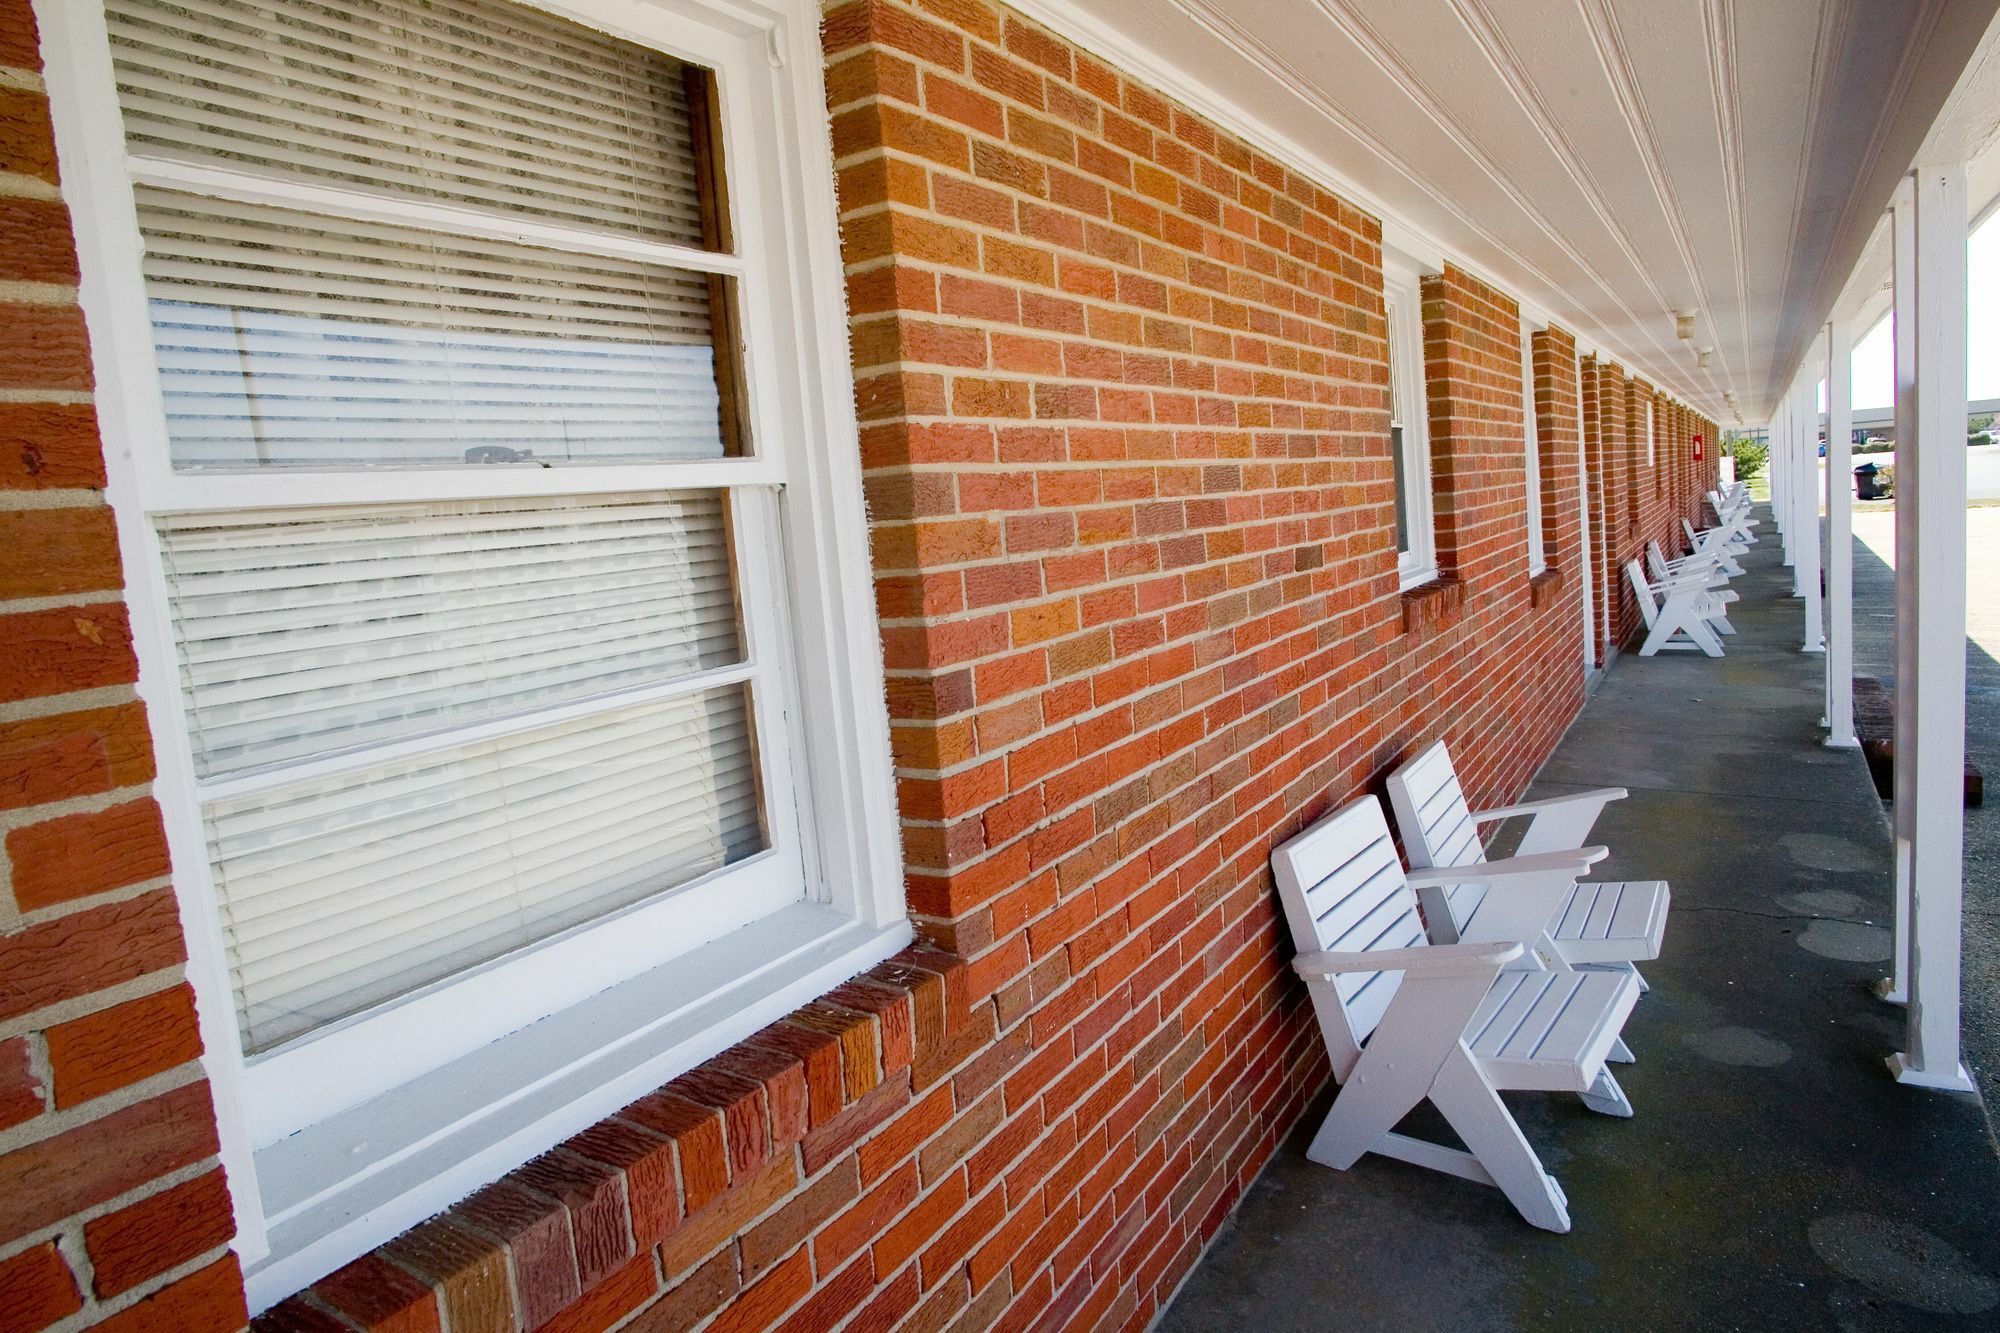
(1873, 366)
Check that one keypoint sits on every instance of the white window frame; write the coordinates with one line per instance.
(1409, 407)
(312, 1195)
(1532, 439)
(1651, 455)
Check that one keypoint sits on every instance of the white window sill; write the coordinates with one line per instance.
(1416, 577)
(337, 1189)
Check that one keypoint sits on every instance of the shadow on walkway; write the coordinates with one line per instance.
(1774, 1174)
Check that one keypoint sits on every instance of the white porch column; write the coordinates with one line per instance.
(1805, 566)
(1839, 535)
(1779, 441)
(1903, 348)
(1931, 737)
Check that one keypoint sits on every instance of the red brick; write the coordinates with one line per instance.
(36, 1290)
(157, 1233)
(593, 1194)
(113, 1047)
(536, 1232)
(603, 1306)
(75, 550)
(49, 446)
(69, 648)
(469, 1273)
(73, 754)
(699, 1143)
(20, 44)
(380, 1297)
(20, 1086)
(87, 951)
(760, 1304)
(76, 856)
(646, 1160)
(35, 243)
(45, 1182)
(27, 142)
(41, 346)
(211, 1298)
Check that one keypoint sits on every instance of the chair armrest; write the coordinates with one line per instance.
(1433, 959)
(1571, 862)
(1601, 797)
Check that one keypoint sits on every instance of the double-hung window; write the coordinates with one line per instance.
(1531, 439)
(1409, 438)
(482, 370)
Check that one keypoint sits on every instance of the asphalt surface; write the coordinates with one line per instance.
(1774, 1175)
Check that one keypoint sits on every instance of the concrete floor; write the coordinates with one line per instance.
(1774, 1175)
(1875, 655)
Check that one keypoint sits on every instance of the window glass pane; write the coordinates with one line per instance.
(1402, 490)
(473, 102)
(340, 894)
(285, 341)
(308, 631)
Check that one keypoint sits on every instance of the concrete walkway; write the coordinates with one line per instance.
(1774, 1175)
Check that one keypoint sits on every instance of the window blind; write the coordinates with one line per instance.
(284, 340)
(496, 106)
(341, 893)
(306, 631)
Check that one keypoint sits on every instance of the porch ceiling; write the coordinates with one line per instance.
(1612, 161)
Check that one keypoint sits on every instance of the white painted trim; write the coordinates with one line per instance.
(1531, 437)
(1805, 419)
(804, 489)
(1403, 307)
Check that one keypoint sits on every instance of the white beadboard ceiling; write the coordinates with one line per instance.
(1609, 161)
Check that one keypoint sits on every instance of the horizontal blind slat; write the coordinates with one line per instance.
(494, 106)
(545, 828)
(363, 668)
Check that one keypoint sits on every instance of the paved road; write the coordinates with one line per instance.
(1874, 654)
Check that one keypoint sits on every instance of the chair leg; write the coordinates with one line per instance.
(1480, 1118)
(1721, 625)
(1621, 1053)
(1606, 1097)
(1704, 637)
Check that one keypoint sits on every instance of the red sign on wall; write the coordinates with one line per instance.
(1697, 446)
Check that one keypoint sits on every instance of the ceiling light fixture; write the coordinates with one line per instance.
(1684, 324)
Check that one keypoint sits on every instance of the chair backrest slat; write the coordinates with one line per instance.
(1343, 890)
(1642, 591)
(1438, 830)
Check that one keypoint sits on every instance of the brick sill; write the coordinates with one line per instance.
(1543, 587)
(1432, 606)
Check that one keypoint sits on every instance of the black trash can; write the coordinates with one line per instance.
(1864, 483)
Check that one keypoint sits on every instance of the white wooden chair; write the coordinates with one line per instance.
(1713, 541)
(1679, 613)
(1614, 923)
(1405, 1020)
(1701, 562)
(1733, 517)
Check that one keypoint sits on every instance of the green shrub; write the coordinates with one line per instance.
(1750, 458)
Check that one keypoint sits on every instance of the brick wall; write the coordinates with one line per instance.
(1123, 387)
(113, 1209)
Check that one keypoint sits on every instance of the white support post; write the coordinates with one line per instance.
(1781, 475)
(1839, 536)
(1895, 987)
(1805, 569)
(1931, 738)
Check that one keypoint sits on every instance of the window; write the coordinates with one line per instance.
(1531, 436)
(1651, 438)
(484, 379)
(1416, 537)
